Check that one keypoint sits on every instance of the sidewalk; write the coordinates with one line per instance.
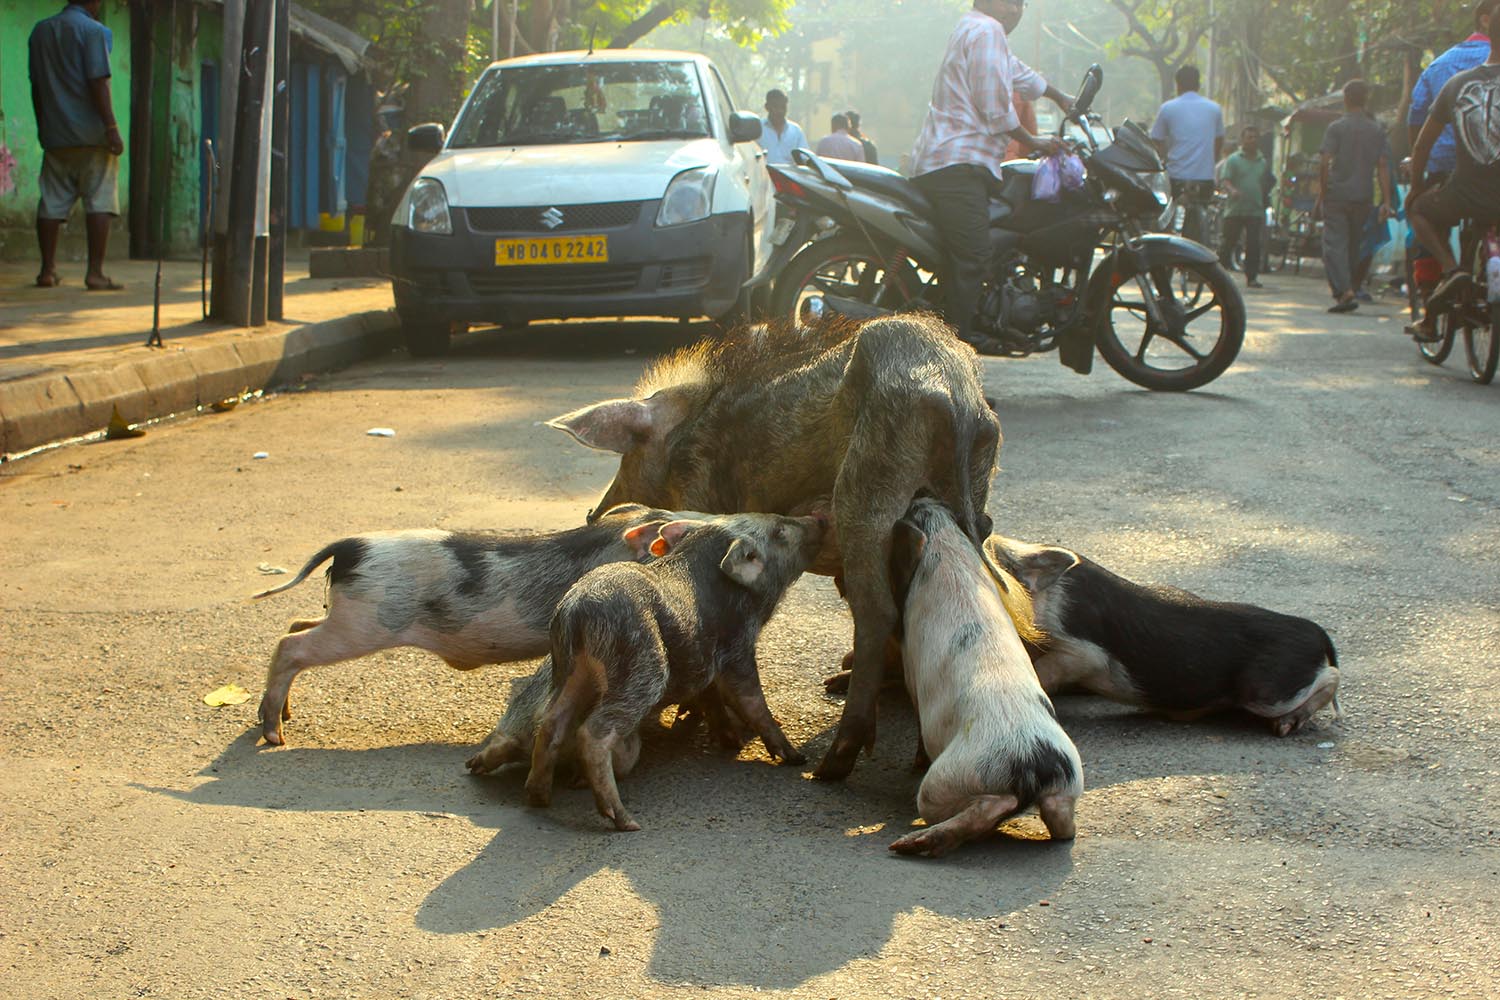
(69, 356)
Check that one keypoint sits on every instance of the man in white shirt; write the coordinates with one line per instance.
(1189, 131)
(839, 144)
(779, 135)
(958, 153)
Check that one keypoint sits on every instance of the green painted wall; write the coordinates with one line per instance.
(177, 117)
(18, 206)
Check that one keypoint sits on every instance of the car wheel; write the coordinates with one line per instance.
(427, 338)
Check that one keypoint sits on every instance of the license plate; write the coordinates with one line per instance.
(552, 250)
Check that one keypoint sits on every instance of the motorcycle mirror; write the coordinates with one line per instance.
(1093, 80)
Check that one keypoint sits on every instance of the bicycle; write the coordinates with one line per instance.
(1474, 307)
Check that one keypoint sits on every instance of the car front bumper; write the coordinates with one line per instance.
(695, 269)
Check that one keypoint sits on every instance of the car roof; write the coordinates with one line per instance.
(602, 55)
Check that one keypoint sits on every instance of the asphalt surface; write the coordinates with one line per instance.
(151, 849)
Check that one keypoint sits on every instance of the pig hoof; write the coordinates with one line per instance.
(273, 737)
(795, 757)
(622, 821)
(837, 763)
(538, 798)
(837, 683)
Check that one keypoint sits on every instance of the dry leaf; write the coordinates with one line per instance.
(229, 694)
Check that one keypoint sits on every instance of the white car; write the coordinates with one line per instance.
(580, 184)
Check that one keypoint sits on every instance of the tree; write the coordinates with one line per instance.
(1165, 33)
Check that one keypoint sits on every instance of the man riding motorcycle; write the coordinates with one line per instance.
(958, 153)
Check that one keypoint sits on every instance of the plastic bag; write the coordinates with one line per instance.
(1072, 172)
(1046, 183)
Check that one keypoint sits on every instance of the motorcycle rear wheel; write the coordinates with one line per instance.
(846, 266)
(1482, 347)
(1210, 305)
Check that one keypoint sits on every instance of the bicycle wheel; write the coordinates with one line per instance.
(1482, 346)
(1436, 352)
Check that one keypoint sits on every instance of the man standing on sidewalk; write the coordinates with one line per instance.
(1354, 153)
(1189, 132)
(1245, 174)
(839, 144)
(958, 153)
(80, 140)
(872, 155)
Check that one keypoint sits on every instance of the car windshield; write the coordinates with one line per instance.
(533, 105)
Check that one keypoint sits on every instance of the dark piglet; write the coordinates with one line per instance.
(471, 598)
(630, 639)
(990, 731)
(775, 419)
(1167, 649)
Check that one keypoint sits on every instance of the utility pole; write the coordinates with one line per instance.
(245, 247)
(280, 127)
(1213, 44)
(229, 82)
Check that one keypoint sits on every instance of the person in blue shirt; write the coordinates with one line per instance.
(1467, 54)
(779, 135)
(80, 140)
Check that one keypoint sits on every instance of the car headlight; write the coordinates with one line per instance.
(429, 208)
(688, 199)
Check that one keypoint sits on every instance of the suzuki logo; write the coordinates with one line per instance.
(552, 218)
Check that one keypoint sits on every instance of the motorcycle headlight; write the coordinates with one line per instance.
(428, 212)
(689, 197)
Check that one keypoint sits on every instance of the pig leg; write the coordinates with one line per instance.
(1057, 814)
(579, 694)
(500, 748)
(839, 683)
(740, 687)
(312, 644)
(977, 819)
(1323, 691)
(597, 739)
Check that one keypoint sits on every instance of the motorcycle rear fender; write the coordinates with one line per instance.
(883, 217)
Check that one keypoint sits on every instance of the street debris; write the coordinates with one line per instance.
(381, 432)
(118, 429)
(229, 694)
(261, 454)
(270, 570)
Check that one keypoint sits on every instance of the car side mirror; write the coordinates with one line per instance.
(427, 138)
(744, 127)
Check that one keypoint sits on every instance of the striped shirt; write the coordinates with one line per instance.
(972, 99)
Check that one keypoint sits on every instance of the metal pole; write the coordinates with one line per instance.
(1213, 39)
(240, 242)
(280, 129)
(515, 21)
(495, 29)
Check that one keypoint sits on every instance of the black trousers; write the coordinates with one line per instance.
(1253, 227)
(960, 197)
(1196, 197)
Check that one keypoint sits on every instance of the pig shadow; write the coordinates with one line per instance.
(757, 875)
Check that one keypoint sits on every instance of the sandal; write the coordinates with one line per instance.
(48, 279)
(110, 285)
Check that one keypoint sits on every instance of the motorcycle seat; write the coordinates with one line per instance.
(884, 181)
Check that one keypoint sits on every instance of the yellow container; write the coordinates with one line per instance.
(331, 223)
(357, 230)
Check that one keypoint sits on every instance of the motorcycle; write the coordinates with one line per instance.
(858, 240)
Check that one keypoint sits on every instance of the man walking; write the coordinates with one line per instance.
(1245, 175)
(871, 154)
(1354, 153)
(958, 153)
(779, 135)
(81, 143)
(839, 144)
(1189, 132)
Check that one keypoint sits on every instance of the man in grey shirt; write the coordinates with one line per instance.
(81, 142)
(1354, 153)
(1189, 132)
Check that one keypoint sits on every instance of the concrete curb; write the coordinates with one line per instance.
(54, 406)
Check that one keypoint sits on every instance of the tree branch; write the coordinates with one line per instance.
(643, 25)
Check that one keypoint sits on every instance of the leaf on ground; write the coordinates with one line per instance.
(229, 694)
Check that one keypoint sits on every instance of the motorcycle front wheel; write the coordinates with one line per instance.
(1199, 299)
(845, 266)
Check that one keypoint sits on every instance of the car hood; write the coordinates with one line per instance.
(581, 173)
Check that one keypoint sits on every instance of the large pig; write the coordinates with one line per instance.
(629, 639)
(1168, 649)
(772, 419)
(989, 729)
(473, 599)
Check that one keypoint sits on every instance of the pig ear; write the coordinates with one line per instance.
(1045, 566)
(907, 545)
(613, 425)
(642, 537)
(743, 563)
(672, 532)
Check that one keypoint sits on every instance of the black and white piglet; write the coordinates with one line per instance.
(1167, 649)
(629, 639)
(989, 729)
(471, 598)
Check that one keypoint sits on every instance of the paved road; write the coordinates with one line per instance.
(151, 850)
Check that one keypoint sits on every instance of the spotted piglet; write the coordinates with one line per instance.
(471, 598)
(989, 729)
(1167, 649)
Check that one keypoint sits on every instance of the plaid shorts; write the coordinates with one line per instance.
(85, 172)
